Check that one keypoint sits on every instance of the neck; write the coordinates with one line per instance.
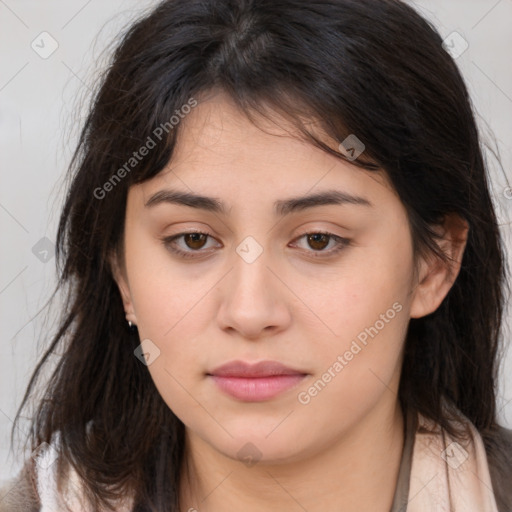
(358, 472)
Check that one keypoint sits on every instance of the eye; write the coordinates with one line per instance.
(319, 240)
(194, 240)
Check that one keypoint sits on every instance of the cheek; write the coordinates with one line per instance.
(353, 296)
(165, 296)
(171, 313)
(360, 365)
(363, 311)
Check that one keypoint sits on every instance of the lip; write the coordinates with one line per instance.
(255, 382)
(248, 370)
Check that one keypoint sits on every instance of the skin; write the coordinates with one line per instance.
(345, 445)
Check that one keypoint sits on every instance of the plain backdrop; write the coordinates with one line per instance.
(50, 52)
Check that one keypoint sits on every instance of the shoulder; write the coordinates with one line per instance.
(20, 494)
(499, 455)
(496, 448)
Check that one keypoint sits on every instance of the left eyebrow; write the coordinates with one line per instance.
(281, 207)
(327, 197)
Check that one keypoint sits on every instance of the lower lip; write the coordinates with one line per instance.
(257, 389)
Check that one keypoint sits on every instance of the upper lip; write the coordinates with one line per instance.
(260, 369)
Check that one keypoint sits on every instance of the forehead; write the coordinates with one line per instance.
(220, 152)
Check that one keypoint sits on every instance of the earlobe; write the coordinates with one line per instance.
(436, 277)
(119, 275)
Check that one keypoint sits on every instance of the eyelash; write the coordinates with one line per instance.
(342, 243)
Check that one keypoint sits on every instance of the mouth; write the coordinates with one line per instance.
(255, 382)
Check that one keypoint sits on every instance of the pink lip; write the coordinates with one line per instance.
(255, 382)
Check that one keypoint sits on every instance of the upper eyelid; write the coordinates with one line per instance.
(308, 232)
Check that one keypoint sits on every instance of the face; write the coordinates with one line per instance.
(324, 288)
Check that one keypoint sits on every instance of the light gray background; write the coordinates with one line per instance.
(39, 120)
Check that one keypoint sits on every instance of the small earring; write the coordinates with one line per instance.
(129, 324)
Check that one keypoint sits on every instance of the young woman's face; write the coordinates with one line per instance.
(260, 283)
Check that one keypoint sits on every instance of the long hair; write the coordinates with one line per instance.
(373, 68)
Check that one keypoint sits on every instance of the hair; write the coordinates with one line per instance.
(373, 68)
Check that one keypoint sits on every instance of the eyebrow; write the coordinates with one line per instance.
(281, 207)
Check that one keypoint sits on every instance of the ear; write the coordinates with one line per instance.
(119, 274)
(436, 277)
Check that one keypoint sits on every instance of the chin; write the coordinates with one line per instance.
(253, 445)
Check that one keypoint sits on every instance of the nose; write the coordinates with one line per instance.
(254, 299)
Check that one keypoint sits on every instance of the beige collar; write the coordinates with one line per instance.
(449, 475)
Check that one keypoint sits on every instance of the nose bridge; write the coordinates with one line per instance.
(251, 272)
(252, 300)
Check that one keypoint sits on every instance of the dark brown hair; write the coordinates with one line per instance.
(374, 68)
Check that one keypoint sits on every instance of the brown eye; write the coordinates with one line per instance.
(195, 240)
(323, 244)
(193, 244)
(318, 241)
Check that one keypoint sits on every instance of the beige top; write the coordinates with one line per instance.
(438, 474)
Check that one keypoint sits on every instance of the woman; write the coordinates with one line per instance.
(285, 274)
